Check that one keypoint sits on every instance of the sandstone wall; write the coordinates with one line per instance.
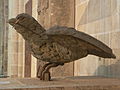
(101, 19)
(3, 36)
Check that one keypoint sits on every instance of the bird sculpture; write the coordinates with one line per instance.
(57, 45)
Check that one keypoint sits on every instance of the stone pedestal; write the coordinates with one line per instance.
(68, 83)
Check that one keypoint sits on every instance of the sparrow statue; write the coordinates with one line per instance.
(57, 45)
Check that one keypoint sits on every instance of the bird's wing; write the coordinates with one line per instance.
(71, 38)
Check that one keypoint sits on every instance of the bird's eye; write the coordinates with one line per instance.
(20, 17)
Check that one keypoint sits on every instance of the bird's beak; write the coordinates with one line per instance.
(12, 21)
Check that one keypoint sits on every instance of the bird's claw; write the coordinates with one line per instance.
(45, 76)
(45, 72)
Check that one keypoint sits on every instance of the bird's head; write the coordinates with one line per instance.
(20, 18)
(21, 21)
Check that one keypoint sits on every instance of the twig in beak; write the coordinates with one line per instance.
(17, 21)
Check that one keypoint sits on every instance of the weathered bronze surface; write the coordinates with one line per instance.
(59, 44)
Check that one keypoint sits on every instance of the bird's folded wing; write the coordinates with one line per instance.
(71, 38)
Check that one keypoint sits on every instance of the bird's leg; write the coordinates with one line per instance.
(39, 72)
(46, 72)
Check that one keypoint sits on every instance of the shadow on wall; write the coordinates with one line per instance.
(98, 9)
(112, 70)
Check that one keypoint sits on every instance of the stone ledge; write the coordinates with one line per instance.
(69, 83)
